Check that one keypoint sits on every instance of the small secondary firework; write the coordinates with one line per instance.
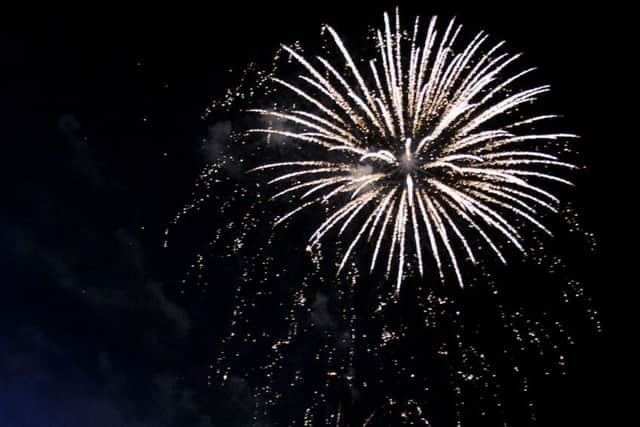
(419, 150)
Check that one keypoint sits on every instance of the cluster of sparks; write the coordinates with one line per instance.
(422, 154)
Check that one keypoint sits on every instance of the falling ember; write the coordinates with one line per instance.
(421, 152)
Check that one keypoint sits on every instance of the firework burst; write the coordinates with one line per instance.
(419, 152)
(419, 159)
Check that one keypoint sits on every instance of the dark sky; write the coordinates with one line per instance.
(101, 139)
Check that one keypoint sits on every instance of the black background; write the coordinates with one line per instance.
(101, 140)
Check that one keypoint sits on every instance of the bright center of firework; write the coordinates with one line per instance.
(399, 165)
(407, 161)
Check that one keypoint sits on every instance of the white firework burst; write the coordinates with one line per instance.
(420, 151)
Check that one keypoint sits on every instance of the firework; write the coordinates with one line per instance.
(420, 151)
(419, 158)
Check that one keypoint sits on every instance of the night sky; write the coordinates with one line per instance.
(102, 138)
